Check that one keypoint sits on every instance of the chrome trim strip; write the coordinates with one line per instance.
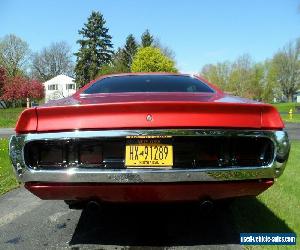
(76, 175)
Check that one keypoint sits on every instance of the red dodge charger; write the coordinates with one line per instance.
(149, 137)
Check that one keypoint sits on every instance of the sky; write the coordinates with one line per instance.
(199, 32)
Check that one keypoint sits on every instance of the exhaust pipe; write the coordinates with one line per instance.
(94, 206)
(206, 206)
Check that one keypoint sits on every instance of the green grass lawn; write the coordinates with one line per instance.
(285, 107)
(295, 118)
(277, 209)
(7, 178)
(9, 117)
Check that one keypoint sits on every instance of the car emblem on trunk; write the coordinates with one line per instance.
(149, 118)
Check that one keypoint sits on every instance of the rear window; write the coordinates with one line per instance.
(148, 83)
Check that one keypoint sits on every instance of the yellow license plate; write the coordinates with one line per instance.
(149, 155)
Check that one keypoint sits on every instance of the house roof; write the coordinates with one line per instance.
(60, 79)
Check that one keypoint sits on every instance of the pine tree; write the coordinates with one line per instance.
(147, 39)
(116, 66)
(95, 49)
(129, 51)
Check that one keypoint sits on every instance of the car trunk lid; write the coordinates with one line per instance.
(151, 115)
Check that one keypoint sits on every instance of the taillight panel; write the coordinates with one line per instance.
(189, 152)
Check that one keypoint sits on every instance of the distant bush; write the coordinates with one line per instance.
(150, 59)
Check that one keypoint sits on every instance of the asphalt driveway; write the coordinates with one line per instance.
(6, 132)
(293, 130)
(27, 222)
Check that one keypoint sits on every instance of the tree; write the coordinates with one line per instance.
(52, 61)
(277, 78)
(3, 78)
(18, 89)
(122, 58)
(167, 51)
(218, 74)
(116, 66)
(95, 49)
(270, 86)
(256, 88)
(150, 59)
(146, 39)
(14, 54)
(241, 77)
(128, 52)
(287, 67)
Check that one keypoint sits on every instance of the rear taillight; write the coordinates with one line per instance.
(90, 154)
(206, 152)
(50, 154)
(45, 154)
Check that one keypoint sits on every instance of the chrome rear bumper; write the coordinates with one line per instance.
(80, 175)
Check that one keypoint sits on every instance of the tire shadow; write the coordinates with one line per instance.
(171, 224)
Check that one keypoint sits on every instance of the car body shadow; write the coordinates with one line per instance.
(253, 216)
(169, 224)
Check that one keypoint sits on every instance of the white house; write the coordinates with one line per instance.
(297, 96)
(59, 87)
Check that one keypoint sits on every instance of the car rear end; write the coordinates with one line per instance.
(168, 147)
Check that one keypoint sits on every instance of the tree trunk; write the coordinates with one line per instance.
(27, 102)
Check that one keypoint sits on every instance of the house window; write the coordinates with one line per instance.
(53, 87)
(70, 86)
